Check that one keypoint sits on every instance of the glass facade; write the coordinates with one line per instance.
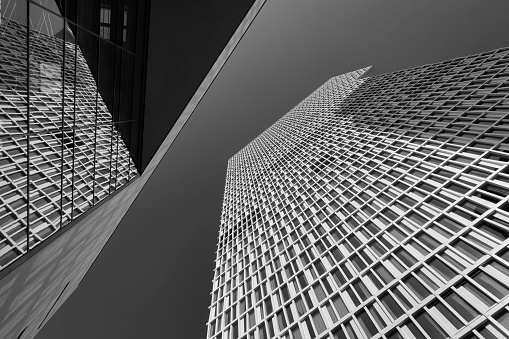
(70, 113)
(377, 208)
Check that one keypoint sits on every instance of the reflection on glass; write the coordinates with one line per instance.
(62, 153)
(108, 20)
(13, 131)
(107, 73)
(124, 26)
(83, 169)
(52, 5)
(45, 179)
(126, 87)
(13, 11)
(105, 21)
(13, 185)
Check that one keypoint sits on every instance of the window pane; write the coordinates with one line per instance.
(301, 308)
(340, 306)
(320, 294)
(391, 306)
(461, 306)
(339, 334)
(350, 331)
(318, 320)
(384, 274)
(449, 315)
(480, 295)
(468, 250)
(415, 286)
(395, 335)
(296, 333)
(442, 269)
(379, 320)
(430, 326)
(503, 319)
(366, 324)
(490, 284)
(415, 331)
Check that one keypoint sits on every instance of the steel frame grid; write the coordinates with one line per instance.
(70, 132)
(396, 187)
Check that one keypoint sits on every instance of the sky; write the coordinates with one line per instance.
(153, 278)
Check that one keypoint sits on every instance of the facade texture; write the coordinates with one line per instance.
(376, 208)
(53, 118)
(74, 110)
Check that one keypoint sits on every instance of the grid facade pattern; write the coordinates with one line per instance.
(376, 208)
(54, 119)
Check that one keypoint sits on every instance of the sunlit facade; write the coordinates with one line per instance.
(376, 208)
(74, 87)
(56, 118)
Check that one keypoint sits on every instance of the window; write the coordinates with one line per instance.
(379, 320)
(320, 294)
(461, 306)
(339, 334)
(350, 331)
(493, 231)
(296, 332)
(448, 315)
(450, 224)
(331, 312)
(340, 306)
(441, 268)
(361, 290)
(487, 301)
(430, 326)
(281, 320)
(491, 285)
(503, 319)
(402, 299)
(391, 306)
(416, 287)
(395, 335)
(367, 324)
(105, 21)
(468, 250)
(405, 257)
(384, 274)
(301, 308)
(251, 318)
(318, 321)
(415, 331)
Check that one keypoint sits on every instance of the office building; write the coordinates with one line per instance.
(376, 208)
(76, 95)
(76, 155)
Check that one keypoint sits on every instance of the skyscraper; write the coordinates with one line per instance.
(376, 208)
(73, 79)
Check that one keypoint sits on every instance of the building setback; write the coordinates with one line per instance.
(376, 208)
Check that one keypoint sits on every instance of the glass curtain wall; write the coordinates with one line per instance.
(69, 113)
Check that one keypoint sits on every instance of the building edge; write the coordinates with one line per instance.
(34, 291)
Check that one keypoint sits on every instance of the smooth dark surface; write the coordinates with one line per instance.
(112, 36)
(185, 39)
(153, 278)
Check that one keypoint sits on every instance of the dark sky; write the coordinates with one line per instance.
(153, 278)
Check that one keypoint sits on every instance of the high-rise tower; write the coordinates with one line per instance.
(376, 208)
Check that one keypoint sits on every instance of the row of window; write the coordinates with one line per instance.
(391, 215)
(363, 219)
(76, 155)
